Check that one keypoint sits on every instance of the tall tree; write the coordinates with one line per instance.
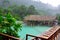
(31, 10)
(20, 10)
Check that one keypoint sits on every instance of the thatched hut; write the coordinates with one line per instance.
(39, 20)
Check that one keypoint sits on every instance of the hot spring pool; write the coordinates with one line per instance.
(33, 30)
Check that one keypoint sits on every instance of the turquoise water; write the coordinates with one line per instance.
(33, 30)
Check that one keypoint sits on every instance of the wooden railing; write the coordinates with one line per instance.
(52, 34)
(7, 37)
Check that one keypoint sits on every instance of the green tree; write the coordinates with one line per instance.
(32, 10)
(23, 10)
(20, 10)
(9, 25)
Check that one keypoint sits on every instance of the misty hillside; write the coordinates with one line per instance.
(39, 5)
(46, 8)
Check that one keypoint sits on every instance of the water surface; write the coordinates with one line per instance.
(33, 30)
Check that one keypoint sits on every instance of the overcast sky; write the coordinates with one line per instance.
(54, 3)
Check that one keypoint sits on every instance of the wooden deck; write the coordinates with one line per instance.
(52, 34)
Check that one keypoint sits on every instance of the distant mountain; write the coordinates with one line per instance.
(38, 5)
(48, 9)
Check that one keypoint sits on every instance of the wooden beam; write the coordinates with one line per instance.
(8, 36)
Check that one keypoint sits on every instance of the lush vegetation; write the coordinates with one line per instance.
(23, 10)
(10, 14)
(20, 11)
(9, 25)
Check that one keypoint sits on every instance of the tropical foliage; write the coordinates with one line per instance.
(9, 25)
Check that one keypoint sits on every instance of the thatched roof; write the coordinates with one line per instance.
(39, 18)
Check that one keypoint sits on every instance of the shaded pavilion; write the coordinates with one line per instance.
(39, 20)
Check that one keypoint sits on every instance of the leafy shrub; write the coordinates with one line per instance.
(9, 25)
